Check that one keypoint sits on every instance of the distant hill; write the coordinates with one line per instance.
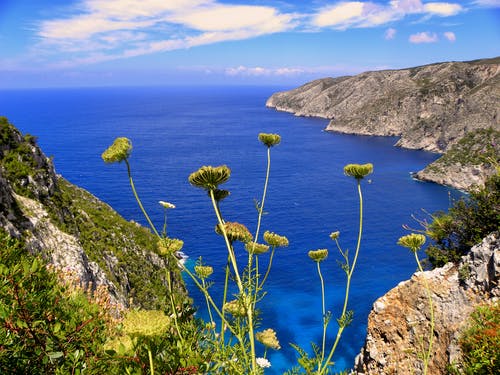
(429, 107)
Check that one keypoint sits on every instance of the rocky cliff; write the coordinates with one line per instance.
(429, 107)
(399, 320)
(72, 229)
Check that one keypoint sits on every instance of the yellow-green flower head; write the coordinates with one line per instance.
(220, 194)
(235, 232)
(119, 151)
(208, 177)
(318, 255)
(275, 240)
(334, 235)
(256, 248)
(146, 323)
(358, 171)
(235, 308)
(412, 241)
(268, 338)
(203, 272)
(166, 204)
(269, 139)
(167, 246)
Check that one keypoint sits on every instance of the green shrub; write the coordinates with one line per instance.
(465, 225)
(480, 343)
(47, 325)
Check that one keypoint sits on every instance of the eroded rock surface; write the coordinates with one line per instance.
(400, 320)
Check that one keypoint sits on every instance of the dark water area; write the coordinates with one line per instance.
(175, 130)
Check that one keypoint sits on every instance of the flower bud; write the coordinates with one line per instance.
(412, 241)
(269, 139)
(318, 255)
(275, 240)
(358, 171)
(208, 177)
(268, 338)
(118, 151)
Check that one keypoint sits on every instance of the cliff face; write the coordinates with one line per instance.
(72, 229)
(468, 162)
(399, 320)
(430, 107)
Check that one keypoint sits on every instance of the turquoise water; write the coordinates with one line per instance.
(178, 129)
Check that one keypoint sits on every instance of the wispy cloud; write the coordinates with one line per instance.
(450, 36)
(424, 37)
(487, 3)
(355, 14)
(390, 33)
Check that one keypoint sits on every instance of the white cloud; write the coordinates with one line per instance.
(339, 15)
(442, 9)
(260, 71)
(390, 33)
(150, 26)
(424, 37)
(488, 3)
(369, 14)
(450, 36)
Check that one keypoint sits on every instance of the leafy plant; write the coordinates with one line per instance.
(465, 225)
(480, 342)
(47, 323)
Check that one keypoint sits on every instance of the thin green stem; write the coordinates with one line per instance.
(151, 366)
(224, 298)
(268, 267)
(348, 284)
(323, 311)
(427, 355)
(172, 303)
(208, 304)
(139, 201)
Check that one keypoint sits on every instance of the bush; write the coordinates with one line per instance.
(47, 325)
(480, 343)
(465, 225)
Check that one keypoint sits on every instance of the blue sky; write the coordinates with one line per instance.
(66, 43)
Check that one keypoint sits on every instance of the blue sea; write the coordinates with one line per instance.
(175, 130)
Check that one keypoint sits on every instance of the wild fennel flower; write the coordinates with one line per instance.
(262, 362)
(235, 308)
(166, 204)
(275, 240)
(268, 338)
(209, 178)
(412, 241)
(269, 139)
(119, 151)
(149, 323)
(203, 272)
(334, 235)
(169, 245)
(318, 255)
(256, 248)
(358, 171)
(235, 232)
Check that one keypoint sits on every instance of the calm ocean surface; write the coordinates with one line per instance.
(174, 131)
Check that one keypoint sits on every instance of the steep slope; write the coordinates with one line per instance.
(430, 107)
(72, 229)
(399, 320)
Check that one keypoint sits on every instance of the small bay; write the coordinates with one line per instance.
(175, 130)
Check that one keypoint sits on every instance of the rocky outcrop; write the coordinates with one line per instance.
(468, 163)
(400, 320)
(72, 229)
(430, 107)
